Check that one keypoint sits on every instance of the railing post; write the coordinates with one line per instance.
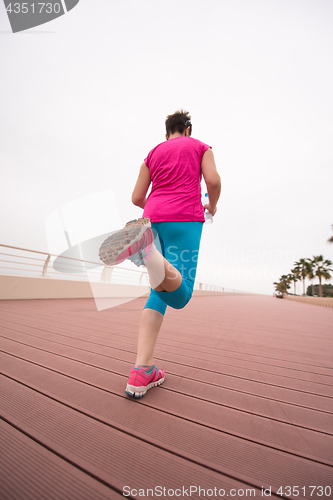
(106, 273)
(46, 263)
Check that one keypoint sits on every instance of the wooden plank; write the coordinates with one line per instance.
(30, 471)
(209, 392)
(302, 380)
(69, 332)
(93, 387)
(113, 456)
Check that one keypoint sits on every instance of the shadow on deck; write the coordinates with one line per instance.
(246, 405)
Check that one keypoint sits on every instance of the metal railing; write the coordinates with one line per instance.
(214, 288)
(21, 262)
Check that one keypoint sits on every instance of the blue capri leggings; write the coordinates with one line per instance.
(179, 244)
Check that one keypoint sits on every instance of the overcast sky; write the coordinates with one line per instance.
(84, 99)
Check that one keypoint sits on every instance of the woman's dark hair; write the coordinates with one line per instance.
(178, 122)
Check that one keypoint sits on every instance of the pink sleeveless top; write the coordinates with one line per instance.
(175, 171)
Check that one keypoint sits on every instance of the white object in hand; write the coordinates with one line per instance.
(208, 216)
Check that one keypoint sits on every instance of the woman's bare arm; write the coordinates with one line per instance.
(212, 180)
(141, 187)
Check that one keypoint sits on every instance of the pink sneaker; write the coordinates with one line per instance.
(134, 242)
(142, 378)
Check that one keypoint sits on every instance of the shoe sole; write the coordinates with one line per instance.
(139, 392)
(120, 241)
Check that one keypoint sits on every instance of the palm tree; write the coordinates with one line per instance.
(330, 240)
(320, 268)
(294, 276)
(303, 269)
(283, 285)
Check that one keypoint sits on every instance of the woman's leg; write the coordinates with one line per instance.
(163, 276)
(164, 279)
(150, 325)
(183, 252)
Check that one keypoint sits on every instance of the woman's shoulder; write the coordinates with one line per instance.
(158, 146)
(199, 143)
(151, 152)
(196, 146)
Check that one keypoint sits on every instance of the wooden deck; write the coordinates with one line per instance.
(246, 405)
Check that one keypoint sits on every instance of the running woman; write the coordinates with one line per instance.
(167, 239)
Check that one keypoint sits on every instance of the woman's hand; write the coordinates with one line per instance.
(210, 209)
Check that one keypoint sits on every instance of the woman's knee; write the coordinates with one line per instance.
(179, 297)
(182, 303)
